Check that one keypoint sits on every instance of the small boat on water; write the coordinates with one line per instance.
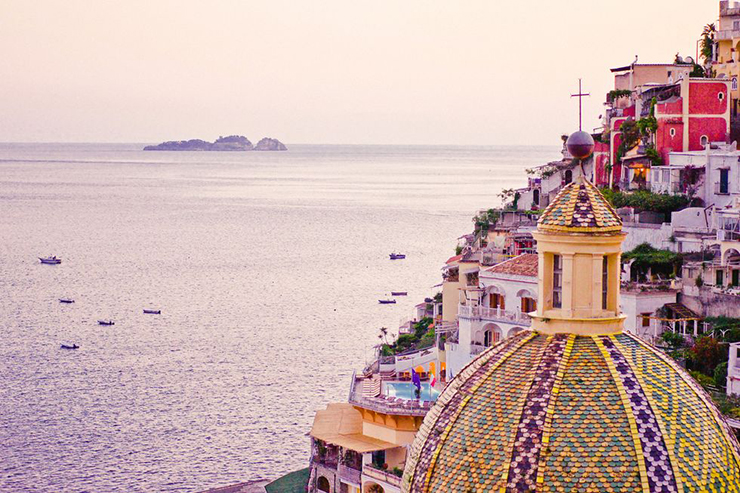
(50, 260)
(397, 256)
(399, 293)
(153, 312)
(67, 346)
(387, 302)
(66, 300)
(106, 322)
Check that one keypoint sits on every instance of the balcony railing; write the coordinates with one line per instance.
(350, 474)
(387, 477)
(493, 314)
(476, 349)
(727, 34)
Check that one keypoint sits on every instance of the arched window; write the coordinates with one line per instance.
(323, 484)
(672, 132)
(704, 140)
(536, 197)
(568, 176)
(491, 336)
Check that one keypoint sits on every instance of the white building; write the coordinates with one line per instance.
(640, 305)
(495, 308)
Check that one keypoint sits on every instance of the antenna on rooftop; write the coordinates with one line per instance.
(580, 97)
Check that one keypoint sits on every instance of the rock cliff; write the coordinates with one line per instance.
(230, 143)
(268, 144)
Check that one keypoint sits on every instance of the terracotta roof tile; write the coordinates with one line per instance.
(523, 265)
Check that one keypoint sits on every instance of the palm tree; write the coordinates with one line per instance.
(707, 43)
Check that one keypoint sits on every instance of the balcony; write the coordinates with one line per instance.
(493, 315)
(384, 404)
(384, 476)
(350, 474)
(727, 34)
(476, 349)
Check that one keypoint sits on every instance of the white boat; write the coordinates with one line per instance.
(50, 260)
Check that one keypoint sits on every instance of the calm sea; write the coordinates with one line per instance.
(267, 268)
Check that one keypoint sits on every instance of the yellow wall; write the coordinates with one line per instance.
(388, 427)
(450, 297)
(582, 310)
(399, 437)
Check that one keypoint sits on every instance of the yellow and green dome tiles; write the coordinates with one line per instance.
(580, 208)
(567, 413)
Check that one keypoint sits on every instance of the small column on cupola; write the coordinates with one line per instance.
(579, 238)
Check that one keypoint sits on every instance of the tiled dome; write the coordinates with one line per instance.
(580, 208)
(567, 413)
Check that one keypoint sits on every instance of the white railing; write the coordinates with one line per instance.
(493, 314)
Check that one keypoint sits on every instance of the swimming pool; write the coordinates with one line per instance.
(405, 390)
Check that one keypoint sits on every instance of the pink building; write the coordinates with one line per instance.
(698, 115)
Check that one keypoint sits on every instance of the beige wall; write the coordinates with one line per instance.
(581, 283)
(450, 298)
(400, 437)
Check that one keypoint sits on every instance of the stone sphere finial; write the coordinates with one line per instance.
(580, 145)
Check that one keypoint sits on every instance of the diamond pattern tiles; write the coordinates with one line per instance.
(469, 460)
(701, 452)
(591, 446)
(440, 418)
(526, 452)
(658, 470)
(580, 207)
(595, 414)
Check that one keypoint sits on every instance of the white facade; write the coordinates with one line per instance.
(636, 305)
(733, 370)
(480, 324)
(721, 184)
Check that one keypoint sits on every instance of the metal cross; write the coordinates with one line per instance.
(580, 96)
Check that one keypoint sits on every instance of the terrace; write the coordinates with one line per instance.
(365, 392)
(493, 314)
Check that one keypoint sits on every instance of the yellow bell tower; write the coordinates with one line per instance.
(579, 243)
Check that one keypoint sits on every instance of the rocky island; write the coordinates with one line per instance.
(230, 143)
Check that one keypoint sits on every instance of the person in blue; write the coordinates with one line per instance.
(417, 383)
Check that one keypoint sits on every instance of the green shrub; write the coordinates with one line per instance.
(704, 380)
(720, 375)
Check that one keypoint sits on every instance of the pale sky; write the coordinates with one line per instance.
(324, 71)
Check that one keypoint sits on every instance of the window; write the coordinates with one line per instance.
(645, 319)
(557, 281)
(736, 25)
(704, 140)
(536, 197)
(724, 181)
(720, 278)
(529, 305)
(666, 176)
(568, 176)
(497, 301)
(721, 96)
(604, 283)
(672, 132)
(734, 83)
